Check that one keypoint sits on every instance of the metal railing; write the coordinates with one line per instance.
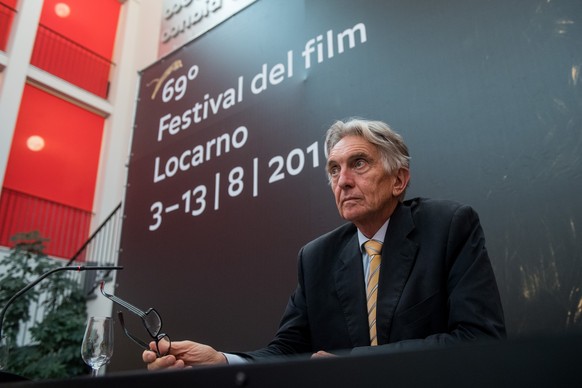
(101, 249)
(66, 59)
(66, 227)
(62, 57)
(6, 16)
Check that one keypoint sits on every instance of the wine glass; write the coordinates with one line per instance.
(97, 347)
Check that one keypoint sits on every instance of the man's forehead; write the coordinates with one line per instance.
(351, 146)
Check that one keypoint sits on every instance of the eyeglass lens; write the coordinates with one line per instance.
(152, 322)
(162, 340)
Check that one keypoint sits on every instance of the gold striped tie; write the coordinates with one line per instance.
(373, 249)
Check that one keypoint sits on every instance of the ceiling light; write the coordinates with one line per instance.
(35, 143)
(62, 10)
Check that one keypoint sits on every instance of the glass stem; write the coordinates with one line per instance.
(94, 372)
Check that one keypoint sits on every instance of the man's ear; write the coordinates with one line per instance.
(401, 179)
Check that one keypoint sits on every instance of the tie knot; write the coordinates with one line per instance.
(373, 247)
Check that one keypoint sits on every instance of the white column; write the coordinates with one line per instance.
(135, 47)
(19, 51)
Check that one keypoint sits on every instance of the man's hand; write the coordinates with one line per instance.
(182, 354)
(322, 354)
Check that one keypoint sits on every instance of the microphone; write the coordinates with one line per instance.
(41, 277)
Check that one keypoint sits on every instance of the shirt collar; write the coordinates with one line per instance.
(379, 236)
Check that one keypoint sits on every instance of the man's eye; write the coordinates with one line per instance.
(334, 171)
(359, 163)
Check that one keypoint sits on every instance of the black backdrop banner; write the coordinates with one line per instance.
(226, 177)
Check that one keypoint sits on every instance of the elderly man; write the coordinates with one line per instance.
(400, 275)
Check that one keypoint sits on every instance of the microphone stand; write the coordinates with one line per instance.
(34, 283)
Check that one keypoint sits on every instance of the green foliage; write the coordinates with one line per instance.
(25, 262)
(55, 352)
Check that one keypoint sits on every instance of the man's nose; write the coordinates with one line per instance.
(345, 179)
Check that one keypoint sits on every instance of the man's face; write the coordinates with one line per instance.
(365, 193)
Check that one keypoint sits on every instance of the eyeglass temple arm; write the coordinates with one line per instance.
(123, 303)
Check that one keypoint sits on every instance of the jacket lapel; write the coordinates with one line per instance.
(398, 256)
(349, 277)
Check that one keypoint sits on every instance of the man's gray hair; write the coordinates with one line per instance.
(390, 144)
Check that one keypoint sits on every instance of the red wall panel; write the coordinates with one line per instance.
(92, 24)
(65, 170)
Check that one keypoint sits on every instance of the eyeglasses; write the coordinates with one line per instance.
(151, 320)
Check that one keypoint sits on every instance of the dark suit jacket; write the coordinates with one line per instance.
(436, 286)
